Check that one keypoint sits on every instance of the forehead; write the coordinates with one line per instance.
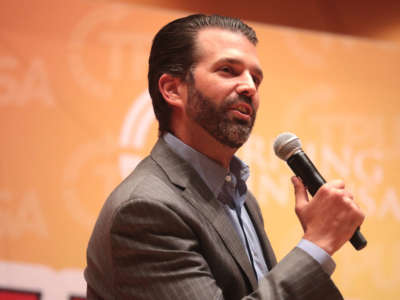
(216, 43)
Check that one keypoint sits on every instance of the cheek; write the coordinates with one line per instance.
(218, 92)
(256, 103)
(217, 84)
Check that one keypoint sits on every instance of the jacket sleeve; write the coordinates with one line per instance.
(297, 276)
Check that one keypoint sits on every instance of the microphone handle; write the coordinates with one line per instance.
(303, 167)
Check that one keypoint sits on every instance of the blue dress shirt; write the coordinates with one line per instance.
(229, 186)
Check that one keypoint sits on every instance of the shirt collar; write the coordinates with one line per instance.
(211, 172)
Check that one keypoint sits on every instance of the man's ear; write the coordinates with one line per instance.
(171, 89)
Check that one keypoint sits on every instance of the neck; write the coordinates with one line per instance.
(203, 142)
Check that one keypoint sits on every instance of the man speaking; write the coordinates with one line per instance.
(184, 225)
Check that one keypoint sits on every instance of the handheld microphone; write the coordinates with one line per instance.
(287, 146)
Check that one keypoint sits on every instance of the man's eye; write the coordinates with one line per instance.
(226, 70)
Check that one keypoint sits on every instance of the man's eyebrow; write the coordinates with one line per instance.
(234, 61)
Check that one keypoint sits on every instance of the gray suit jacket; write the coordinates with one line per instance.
(163, 235)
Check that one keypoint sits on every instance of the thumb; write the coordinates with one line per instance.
(300, 192)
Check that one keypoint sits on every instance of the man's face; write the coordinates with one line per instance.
(222, 88)
(214, 118)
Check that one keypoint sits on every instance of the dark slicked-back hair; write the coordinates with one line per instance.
(173, 52)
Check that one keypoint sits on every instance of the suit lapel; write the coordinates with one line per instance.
(254, 213)
(216, 214)
(199, 195)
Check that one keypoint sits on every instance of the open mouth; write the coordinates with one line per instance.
(243, 109)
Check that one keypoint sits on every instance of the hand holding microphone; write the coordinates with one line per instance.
(331, 217)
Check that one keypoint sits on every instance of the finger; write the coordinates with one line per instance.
(344, 193)
(352, 202)
(337, 183)
(300, 192)
(349, 195)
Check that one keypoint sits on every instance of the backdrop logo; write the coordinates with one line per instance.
(90, 174)
(106, 36)
(23, 210)
(24, 81)
(134, 133)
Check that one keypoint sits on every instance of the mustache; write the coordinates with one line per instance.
(239, 99)
(246, 99)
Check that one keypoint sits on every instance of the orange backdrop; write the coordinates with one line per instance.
(76, 117)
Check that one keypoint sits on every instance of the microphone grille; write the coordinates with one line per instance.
(286, 144)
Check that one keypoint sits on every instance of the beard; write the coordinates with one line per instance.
(213, 118)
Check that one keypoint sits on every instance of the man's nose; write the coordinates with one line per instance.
(246, 85)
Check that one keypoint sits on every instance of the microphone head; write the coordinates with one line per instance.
(286, 144)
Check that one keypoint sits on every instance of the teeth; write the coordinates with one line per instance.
(242, 109)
